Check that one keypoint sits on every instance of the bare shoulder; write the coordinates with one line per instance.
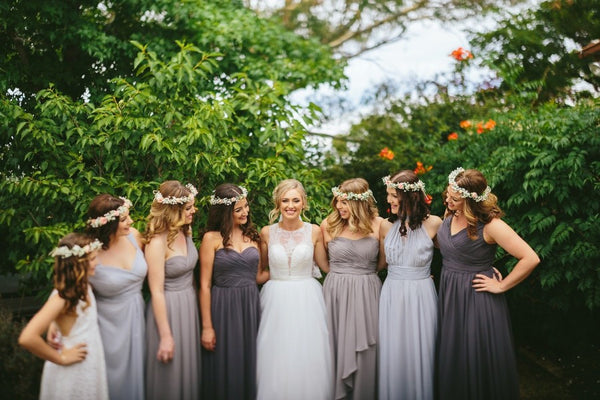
(264, 234)
(433, 221)
(212, 238)
(384, 228)
(324, 224)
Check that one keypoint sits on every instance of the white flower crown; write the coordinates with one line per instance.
(66, 252)
(172, 200)
(464, 193)
(404, 186)
(111, 215)
(364, 196)
(214, 200)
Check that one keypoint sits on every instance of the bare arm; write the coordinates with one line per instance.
(320, 256)
(326, 236)
(431, 225)
(155, 254)
(262, 274)
(497, 231)
(210, 244)
(383, 231)
(31, 336)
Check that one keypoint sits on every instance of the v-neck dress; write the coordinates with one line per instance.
(229, 372)
(179, 378)
(476, 357)
(122, 324)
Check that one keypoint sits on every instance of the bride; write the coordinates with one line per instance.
(294, 359)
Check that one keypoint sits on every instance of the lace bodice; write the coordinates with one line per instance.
(290, 253)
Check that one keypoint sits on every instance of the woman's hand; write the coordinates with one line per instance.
(73, 354)
(209, 339)
(166, 349)
(483, 283)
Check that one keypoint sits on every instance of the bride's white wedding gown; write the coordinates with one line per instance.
(294, 359)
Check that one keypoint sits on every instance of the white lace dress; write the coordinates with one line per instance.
(86, 379)
(294, 359)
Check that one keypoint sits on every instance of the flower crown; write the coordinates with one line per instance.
(214, 200)
(66, 252)
(111, 215)
(404, 186)
(172, 200)
(364, 196)
(464, 193)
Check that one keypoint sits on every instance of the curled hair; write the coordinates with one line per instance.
(220, 216)
(99, 206)
(361, 212)
(281, 189)
(71, 274)
(413, 205)
(167, 217)
(484, 211)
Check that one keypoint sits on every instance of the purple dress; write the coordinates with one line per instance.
(229, 372)
(476, 357)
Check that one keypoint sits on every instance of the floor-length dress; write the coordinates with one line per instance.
(84, 380)
(351, 290)
(229, 372)
(294, 359)
(122, 325)
(179, 378)
(476, 356)
(407, 317)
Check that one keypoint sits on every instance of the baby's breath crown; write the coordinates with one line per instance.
(214, 200)
(66, 252)
(464, 193)
(111, 215)
(404, 186)
(172, 200)
(364, 196)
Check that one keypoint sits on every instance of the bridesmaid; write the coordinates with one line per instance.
(476, 351)
(229, 299)
(408, 304)
(172, 324)
(117, 285)
(352, 288)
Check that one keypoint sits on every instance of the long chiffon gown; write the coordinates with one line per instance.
(122, 326)
(180, 378)
(351, 291)
(476, 350)
(294, 359)
(84, 380)
(229, 372)
(407, 317)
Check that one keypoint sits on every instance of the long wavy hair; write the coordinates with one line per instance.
(220, 216)
(413, 205)
(71, 274)
(361, 212)
(282, 188)
(167, 217)
(484, 211)
(99, 206)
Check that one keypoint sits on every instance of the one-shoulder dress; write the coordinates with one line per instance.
(229, 372)
(84, 380)
(294, 359)
(122, 324)
(476, 356)
(407, 317)
(180, 378)
(351, 291)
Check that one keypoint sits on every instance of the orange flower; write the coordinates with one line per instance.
(428, 199)
(465, 124)
(453, 136)
(386, 153)
(489, 125)
(480, 127)
(461, 54)
(421, 169)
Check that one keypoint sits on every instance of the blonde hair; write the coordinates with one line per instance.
(361, 212)
(281, 189)
(167, 217)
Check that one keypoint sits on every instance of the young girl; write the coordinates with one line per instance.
(77, 371)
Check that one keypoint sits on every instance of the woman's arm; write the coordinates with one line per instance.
(210, 244)
(384, 228)
(498, 231)
(31, 336)
(262, 274)
(155, 254)
(326, 236)
(320, 256)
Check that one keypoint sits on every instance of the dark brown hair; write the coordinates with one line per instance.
(99, 206)
(71, 273)
(413, 205)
